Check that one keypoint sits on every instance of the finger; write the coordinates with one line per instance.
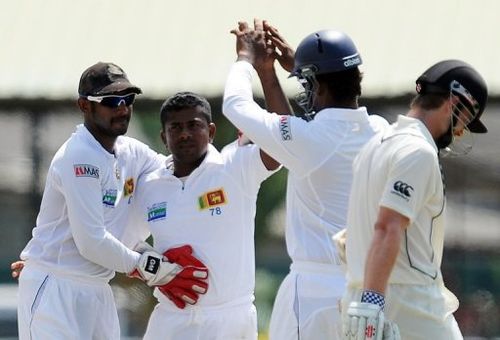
(280, 45)
(194, 272)
(185, 295)
(243, 25)
(190, 260)
(17, 265)
(177, 301)
(236, 32)
(273, 33)
(189, 284)
(258, 25)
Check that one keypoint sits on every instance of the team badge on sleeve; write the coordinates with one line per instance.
(158, 211)
(402, 190)
(212, 199)
(86, 170)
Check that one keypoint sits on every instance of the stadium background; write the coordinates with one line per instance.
(168, 46)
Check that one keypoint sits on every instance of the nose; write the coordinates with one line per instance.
(184, 133)
(122, 107)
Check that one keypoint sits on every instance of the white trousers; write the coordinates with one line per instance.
(307, 306)
(57, 307)
(202, 323)
(421, 312)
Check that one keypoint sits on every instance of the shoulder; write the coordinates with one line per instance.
(130, 143)
(78, 150)
(379, 123)
(155, 176)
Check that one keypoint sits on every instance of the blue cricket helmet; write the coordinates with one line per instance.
(325, 51)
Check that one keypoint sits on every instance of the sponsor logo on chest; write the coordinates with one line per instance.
(86, 170)
(212, 199)
(158, 211)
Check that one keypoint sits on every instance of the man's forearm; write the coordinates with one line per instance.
(381, 259)
(276, 101)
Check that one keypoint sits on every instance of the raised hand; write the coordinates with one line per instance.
(252, 46)
(286, 53)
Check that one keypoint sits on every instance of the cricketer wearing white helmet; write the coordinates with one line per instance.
(318, 155)
(207, 199)
(81, 238)
(395, 229)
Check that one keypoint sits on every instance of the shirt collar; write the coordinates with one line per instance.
(357, 115)
(416, 126)
(85, 133)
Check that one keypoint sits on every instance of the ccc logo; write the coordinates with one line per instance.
(403, 188)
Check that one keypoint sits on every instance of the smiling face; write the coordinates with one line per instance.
(187, 133)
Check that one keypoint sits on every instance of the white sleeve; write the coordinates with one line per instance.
(411, 181)
(285, 138)
(245, 164)
(83, 197)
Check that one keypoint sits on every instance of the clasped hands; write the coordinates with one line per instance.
(261, 45)
(176, 273)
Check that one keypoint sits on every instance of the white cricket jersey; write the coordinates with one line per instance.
(213, 210)
(318, 155)
(85, 206)
(399, 170)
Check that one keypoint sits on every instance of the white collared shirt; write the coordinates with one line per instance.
(399, 170)
(318, 155)
(213, 210)
(86, 204)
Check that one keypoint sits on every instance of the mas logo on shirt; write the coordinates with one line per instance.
(402, 190)
(128, 187)
(285, 130)
(212, 199)
(86, 170)
(158, 211)
(109, 197)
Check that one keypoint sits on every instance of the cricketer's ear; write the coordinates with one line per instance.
(163, 137)
(83, 105)
(211, 132)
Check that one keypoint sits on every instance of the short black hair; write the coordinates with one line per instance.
(344, 86)
(183, 100)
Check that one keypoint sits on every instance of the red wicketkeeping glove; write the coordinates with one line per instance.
(190, 282)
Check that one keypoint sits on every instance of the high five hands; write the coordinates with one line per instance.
(262, 45)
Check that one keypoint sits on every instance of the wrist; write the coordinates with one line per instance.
(265, 70)
(373, 297)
